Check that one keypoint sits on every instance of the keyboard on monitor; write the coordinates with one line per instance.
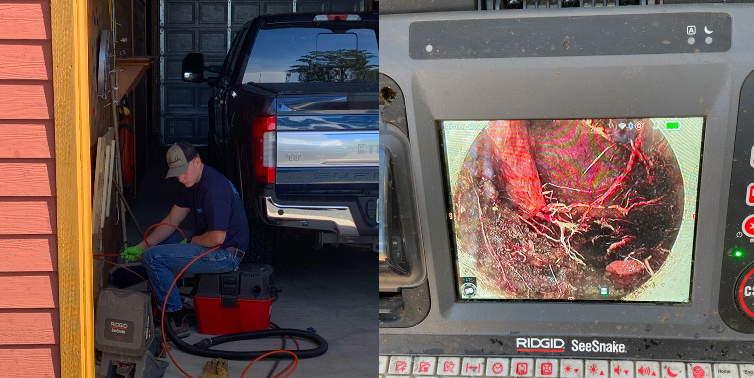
(401, 366)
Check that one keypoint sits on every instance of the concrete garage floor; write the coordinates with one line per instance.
(333, 290)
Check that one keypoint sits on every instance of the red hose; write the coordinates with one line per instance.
(146, 233)
(294, 363)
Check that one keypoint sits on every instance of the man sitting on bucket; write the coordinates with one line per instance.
(220, 219)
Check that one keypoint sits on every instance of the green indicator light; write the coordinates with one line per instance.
(738, 253)
(671, 125)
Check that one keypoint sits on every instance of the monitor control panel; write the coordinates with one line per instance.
(583, 183)
(473, 366)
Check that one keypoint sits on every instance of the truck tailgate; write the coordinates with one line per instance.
(330, 140)
(328, 157)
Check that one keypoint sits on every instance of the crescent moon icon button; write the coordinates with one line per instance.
(707, 30)
(673, 370)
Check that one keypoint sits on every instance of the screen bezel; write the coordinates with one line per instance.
(454, 241)
(705, 85)
(430, 107)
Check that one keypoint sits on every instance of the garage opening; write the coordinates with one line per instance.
(297, 145)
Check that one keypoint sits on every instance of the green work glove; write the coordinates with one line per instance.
(131, 253)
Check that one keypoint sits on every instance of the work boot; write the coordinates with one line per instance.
(183, 330)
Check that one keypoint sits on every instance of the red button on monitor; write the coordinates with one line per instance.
(522, 368)
(750, 195)
(698, 371)
(546, 368)
(748, 226)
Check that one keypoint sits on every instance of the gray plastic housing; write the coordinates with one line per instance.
(124, 324)
(402, 215)
(588, 85)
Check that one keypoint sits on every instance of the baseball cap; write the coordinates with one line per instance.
(179, 156)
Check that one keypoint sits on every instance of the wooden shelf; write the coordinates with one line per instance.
(135, 67)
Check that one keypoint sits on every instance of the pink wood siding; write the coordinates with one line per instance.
(28, 253)
(27, 20)
(29, 317)
(36, 140)
(43, 361)
(25, 60)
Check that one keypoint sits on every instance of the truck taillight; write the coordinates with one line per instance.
(264, 140)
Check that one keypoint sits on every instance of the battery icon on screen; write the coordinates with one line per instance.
(671, 125)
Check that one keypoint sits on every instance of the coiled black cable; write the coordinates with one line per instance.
(202, 348)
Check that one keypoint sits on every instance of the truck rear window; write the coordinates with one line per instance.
(313, 55)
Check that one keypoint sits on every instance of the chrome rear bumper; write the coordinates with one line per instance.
(337, 219)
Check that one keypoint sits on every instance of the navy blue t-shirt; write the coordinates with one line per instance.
(216, 206)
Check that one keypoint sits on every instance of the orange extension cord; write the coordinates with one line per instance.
(294, 363)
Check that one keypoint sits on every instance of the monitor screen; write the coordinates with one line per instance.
(573, 209)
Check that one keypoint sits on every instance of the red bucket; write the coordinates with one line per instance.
(249, 315)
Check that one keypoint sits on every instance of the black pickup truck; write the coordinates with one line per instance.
(294, 124)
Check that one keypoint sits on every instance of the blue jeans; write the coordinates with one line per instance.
(161, 260)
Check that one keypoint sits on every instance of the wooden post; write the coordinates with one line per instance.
(109, 178)
(70, 56)
(97, 177)
(108, 170)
